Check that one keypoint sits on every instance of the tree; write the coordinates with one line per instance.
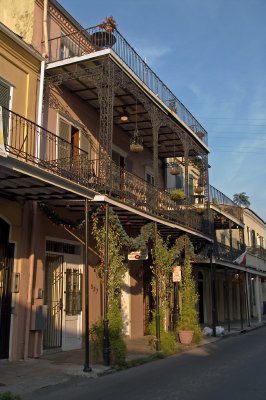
(241, 199)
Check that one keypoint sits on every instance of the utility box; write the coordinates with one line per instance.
(38, 317)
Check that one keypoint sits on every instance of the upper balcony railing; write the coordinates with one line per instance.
(87, 40)
(225, 204)
(37, 146)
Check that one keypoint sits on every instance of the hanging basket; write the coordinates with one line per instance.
(136, 147)
(175, 170)
(199, 189)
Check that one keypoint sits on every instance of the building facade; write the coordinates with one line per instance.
(96, 128)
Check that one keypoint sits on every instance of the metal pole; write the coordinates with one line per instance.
(247, 299)
(157, 312)
(87, 367)
(240, 301)
(227, 300)
(106, 347)
(213, 273)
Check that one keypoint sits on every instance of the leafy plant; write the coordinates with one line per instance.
(167, 339)
(108, 21)
(188, 319)
(116, 273)
(117, 344)
(177, 194)
(241, 199)
(9, 396)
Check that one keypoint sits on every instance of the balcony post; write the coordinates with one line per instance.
(157, 310)
(106, 344)
(186, 183)
(87, 367)
(155, 133)
(105, 85)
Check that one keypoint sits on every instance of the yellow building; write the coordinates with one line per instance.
(20, 68)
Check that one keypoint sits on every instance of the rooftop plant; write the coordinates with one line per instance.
(108, 21)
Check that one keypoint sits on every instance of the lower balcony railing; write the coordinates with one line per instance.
(33, 144)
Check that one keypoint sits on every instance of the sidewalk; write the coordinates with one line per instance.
(24, 377)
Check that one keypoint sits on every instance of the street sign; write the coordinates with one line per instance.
(138, 255)
(177, 273)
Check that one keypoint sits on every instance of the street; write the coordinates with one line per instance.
(232, 368)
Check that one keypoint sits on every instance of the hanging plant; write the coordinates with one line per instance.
(55, 218)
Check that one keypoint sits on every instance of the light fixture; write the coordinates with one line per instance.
(124, 116)
(136, 142)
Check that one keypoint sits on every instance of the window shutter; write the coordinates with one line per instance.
(64, 149)
(4, 94)
(129, 165)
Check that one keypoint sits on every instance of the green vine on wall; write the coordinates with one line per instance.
(134, 243)
(55, 218)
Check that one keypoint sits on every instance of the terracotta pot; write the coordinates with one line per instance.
(108, 27)
(185, 337)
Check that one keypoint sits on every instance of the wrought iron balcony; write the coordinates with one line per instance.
(89, 40)
(35, 145)
(224, 203)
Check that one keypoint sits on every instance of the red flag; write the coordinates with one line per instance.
(241, 260)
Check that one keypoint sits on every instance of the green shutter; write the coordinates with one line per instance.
(4, 102)
(4, 94)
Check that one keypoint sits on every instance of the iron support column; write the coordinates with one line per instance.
(157, 312)
(241, 302)
(213, 277)
(87, 367)
(106, 346)
(247, 299)
(227, 299)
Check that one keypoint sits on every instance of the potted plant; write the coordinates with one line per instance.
(109, 24)
(175, 169)
(188, 325)
(177, 194)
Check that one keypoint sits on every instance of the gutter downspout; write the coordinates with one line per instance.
(40, 107)
(45, 30)
(41, 87)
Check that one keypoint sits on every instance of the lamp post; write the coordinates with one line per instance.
(106, 346)
(87, 367)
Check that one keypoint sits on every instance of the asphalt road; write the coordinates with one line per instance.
(232, 368)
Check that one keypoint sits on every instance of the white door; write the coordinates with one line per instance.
(72, 306)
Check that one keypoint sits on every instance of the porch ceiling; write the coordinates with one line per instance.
(23, 182)
(76, 75)
(132, 220)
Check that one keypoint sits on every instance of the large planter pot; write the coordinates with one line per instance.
(185, 337)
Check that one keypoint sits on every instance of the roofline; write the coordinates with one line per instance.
(256, 215)
(66, 14)
(20, 42)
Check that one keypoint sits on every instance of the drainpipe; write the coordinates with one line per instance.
(40, 106)
(45, 30)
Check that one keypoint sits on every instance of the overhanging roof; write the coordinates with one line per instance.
(76, 74)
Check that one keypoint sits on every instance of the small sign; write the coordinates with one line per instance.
(138, 255)
(177, 273)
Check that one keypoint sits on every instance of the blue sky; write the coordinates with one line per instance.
(212, 55)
